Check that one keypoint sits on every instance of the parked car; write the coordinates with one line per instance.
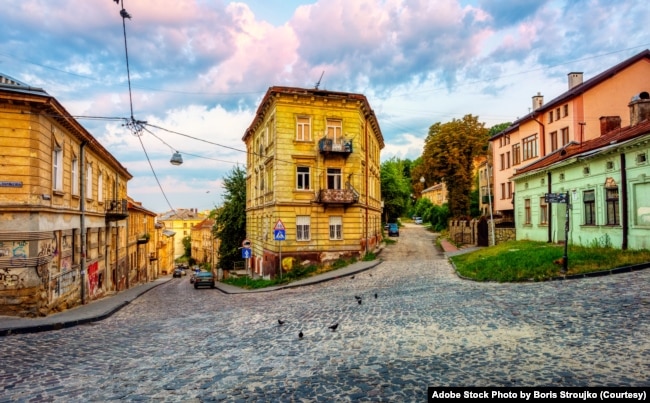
(204, 278)
(418, 220)
(178, 272)
(393, 229)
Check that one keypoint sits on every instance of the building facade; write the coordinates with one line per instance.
(312, 178)
(140, 245)
(63, 207)
(605, 181)
(180, 222)
(574, 116)
(205, 247)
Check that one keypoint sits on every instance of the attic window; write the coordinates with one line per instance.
(561, 177)
(585, 170)
(610, 165)
(641, 158)
(542, 182)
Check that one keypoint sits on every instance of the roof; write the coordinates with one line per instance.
(577, 90)
(276, 90)
(614, 138)
(180, 214)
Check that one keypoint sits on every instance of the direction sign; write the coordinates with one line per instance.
(279, 235)
(246, 253)
(556, 198)
(279, 225)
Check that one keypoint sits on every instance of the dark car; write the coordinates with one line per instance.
(393, 229)
(204, 278)
(178, 272)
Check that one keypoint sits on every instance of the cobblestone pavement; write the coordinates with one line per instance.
(426, 327)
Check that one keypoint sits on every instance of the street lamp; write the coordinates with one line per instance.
(177, 159)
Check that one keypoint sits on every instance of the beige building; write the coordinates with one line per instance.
(140, 245)
(63, 207)
(205, 247)
(313, 188)
(180, 221)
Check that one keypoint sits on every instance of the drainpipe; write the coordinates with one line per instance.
(549, 208)
(82, 218)
(624, 205)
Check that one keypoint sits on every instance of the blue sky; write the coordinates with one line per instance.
(200, 67)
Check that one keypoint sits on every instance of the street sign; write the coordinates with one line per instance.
(246, 253)
(279, 225)
(279, 235)
(246, 243)
(556, 198)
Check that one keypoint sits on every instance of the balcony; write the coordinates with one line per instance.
(338, 196)
(335, 146)
(116, 210)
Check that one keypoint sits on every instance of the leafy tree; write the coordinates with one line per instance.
(187, 245)
(449, 153)
(395, 188)
(230, 219)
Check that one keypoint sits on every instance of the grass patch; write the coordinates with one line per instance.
(516, 261)
(297, 273)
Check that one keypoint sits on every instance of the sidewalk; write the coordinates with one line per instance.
(451, 250)
(105, 307)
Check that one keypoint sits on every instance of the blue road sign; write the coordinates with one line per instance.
(246, 253)
(279, 235)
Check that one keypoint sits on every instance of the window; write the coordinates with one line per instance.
(553, 136)
(641, 158)
(565, 110)
(516, 154)
(611, 199)
(565, 136)
(89, 181)
(75, 176)
(333, 178)
(100, 187)
(530, 147)
(509, 190)
(302, 227)
(336, 225)
(269, 179)
(57, 168)
(302, 178)
(589, 199)
(507, 159)
(543, 211)
(334, 129)
(527, 211)
(550, 117)
(503, 161)
(609, 165)
(503, 191)
(557, 114)
(303, 129)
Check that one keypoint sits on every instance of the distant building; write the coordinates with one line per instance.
(312, 176)
(180, 221)
(205, 247)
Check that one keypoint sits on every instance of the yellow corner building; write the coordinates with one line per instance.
(313, 169)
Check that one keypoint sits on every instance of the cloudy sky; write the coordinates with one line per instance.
(199, 68)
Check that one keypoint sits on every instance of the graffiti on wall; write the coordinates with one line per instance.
(93, 278)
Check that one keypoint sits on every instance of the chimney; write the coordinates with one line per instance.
(609, 123)
(575, 79)
(538, 101)
(639, 108)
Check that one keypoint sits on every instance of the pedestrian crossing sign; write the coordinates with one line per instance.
(279, 235)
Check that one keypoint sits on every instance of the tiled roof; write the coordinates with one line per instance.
(614, 138)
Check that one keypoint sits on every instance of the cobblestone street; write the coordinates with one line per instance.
(426, 328)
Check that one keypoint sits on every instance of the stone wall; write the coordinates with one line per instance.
(464, 232)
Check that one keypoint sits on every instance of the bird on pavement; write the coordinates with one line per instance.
(352, 278)
(334, 326)
(280, 322)
(300, 335)
(359, 301)
(375, 295)
(357, 297)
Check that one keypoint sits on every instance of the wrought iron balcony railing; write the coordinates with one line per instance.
(116, 210)
(339, 146)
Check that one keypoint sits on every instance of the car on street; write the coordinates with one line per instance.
(178, 272)
(204, 278)
(393, 229)
(418, 220)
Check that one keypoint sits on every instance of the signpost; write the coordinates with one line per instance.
(279, 234)
(562, 198)
(246, 252)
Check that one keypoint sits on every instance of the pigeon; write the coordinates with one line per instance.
(352, 278)
(280, 322)
(334, 326)
(359, 301)
(300, 335)
(375, 295)
(357, 297)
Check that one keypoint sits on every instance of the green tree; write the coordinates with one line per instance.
(395, 188)
(230, 218)
(187, 246)
(449, 153)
